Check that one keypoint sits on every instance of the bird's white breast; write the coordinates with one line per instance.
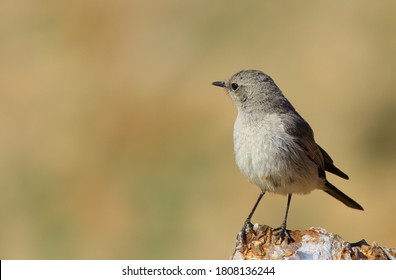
(270, 158)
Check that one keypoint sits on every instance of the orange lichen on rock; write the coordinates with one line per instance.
(314, 244)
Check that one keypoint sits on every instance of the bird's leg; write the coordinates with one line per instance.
(283, 233)
(248, 225)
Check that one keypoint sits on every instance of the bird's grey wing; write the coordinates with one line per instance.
(329, 165)
(302, 132)
(297, 127)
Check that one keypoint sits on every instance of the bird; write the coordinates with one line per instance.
(274, 146)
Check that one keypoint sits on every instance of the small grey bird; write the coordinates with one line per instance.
(274, 146)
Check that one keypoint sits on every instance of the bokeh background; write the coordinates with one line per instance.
(114, 144)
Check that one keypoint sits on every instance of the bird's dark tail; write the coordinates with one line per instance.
(336, 193)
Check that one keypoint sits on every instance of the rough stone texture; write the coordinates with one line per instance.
(313, 244)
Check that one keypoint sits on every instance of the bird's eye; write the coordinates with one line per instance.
(234, 86)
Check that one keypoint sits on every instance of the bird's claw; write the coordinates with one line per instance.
(283, 235)
(247, 227)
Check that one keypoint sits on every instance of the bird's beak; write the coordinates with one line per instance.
(219, 84)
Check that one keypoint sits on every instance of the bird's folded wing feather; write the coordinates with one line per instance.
(297, 127)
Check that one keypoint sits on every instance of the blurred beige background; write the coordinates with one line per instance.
(114, 144)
